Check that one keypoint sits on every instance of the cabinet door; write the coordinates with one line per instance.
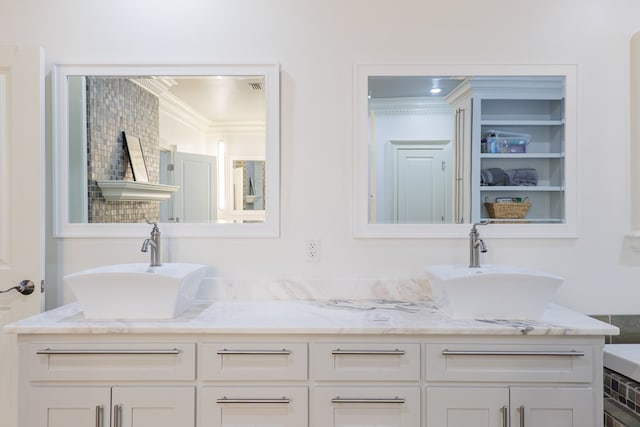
(67, 406)
(255, 406)
(467, 406)
(153, 406)
(365, 407)
(552, 407)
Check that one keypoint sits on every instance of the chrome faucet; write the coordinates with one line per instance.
(154, 242)
(476, 245)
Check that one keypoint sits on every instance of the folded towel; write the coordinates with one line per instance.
(522, 176)
(493, 176)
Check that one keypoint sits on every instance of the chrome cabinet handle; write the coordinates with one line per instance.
(99, 418)
(339, 399)
(107, 351)
(254, 352)
(571, 353)
(25, 287)
(374, 352)
(225, 399)
(521, 415)
(117, 416)
(505, 416)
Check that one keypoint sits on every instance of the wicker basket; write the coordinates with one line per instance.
(507, 210)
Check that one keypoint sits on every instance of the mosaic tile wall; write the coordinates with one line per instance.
(621, 400)
(621, 394)
(115, 105)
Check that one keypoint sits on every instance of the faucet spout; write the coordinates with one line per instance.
(155, 254)
(476, 245)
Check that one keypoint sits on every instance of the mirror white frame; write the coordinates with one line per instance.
(60, 88)
(362, 228)
(634, 234)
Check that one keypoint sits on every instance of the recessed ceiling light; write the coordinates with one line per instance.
(435, 90)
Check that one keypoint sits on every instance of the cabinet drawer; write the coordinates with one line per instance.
(253, 406)
(113, 361)
(365, 362)
(365, 406)
(253, 361)
(484, 362)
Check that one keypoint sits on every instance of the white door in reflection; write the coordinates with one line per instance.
(419, 182)
(197, 199)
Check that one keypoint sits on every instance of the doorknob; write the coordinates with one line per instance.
(25, 287)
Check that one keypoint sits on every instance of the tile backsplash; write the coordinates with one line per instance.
(629, 325)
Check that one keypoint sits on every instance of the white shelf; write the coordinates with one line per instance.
(522, 188)
(522, 155)
(118, 191)
(521, 122)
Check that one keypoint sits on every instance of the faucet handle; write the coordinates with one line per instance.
(155, 224)
(483, 222)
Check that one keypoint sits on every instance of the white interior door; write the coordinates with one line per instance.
(420, 193)
(21, 212)
(197, 198)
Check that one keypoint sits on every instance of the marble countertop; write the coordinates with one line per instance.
(328, 316)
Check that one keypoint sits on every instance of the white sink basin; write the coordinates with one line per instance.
(491, 291)
(136, 291)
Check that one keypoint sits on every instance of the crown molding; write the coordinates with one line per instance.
(417, 105)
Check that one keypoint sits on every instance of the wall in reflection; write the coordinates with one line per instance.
(115, 105)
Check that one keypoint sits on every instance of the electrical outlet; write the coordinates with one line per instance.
(313, 250)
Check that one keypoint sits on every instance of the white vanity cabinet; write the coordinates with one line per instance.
(197, 371)
(483, 384)
(365, 383)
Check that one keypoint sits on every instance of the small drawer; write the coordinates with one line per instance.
(485, 362)
(253, 406)
(253, 361)
(112, 361)
(365, 362)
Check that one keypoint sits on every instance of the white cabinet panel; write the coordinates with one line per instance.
(253, 406)
(365, 407)
(110, 361)
(524, 406)
(68, 406)
(505, 362)
(153, 406)
(253, 361)
(365, 362)
(552, 407)
(467, 406)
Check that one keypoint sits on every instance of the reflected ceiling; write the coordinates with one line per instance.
(411, 86)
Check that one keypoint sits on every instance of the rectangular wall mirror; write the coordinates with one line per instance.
(192, 124)
(441, 147)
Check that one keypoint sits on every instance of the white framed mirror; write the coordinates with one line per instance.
(188, 123)
(439, 147)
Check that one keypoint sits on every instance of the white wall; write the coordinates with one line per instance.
(316, 42)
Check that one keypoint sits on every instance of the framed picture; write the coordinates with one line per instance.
(136, 157)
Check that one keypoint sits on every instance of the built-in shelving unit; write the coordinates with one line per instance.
(534, 108)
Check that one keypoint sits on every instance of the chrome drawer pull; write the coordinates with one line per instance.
(339, 399)
(117, 416)
(521, 415)
(225, 399)
(375, 352)
(571, 353)
(505, 416)
(255, 352)
(99, 410)
(107, 351)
